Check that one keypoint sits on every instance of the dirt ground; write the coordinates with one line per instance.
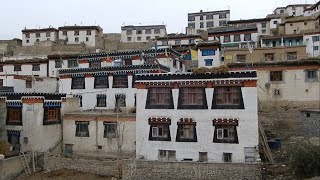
(63, 175)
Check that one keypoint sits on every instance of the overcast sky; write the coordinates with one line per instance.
(111, 14)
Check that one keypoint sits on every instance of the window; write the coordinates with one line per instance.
(88, 32)
(139, 31)
(192, 98)
(222, 16)
(159, 132)
(138, 38)
(209, 16)
(210, 24)
(82, 129)
(28, 84)
(201, 18)
(148, 31)
(165, 155)
(1, 68)
(315, 38)
(225, 134)
(159, 98)
(164, 43)
(36, 67)
(208, 62)
(129, 32)
(276, 76)
(120, 100)
(27, 35)
(269, 57)
(148, 38)
(291, 56)
(236, 38)
(203, 157)
(58, 63)
(315, 48)
(157, 31)
(51, 115)
(227, 157)
(186, 132)
(263, 25)
(263, 31)
(291, 24)
(311, 75)
(293, 13)
(226, 38)
(67, 39)
(27, 41)
(48, 39)
(64, 33)
(110, 130)
(76, 33)
(129, 39)
(37, 35)
(208, 52)
(48, 34)
(290, 42)
(78, 83)
(222, 23)
(101, 100)
(14, 116)
(281, 11)
(229, 97)
(72, 63)
(94, 64)
(120, 81)
(241, 57)
(1, 82)
(178, 42)
(192, 25)
(305, 23)
(17, 68)
(37, 40)
(275, 22)
(87, 39)
(191, 18)
(101, 82)
(297, 42)
(76, 39)
(191, 41)
(247, 37)
(201, 25)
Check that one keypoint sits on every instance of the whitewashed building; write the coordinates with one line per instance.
(205, 20)
(204, 117)
(99, 134)
(312, 41)
(177, 40)
(92, 36)
(315, 8)
(263, 25)
(209, 54)
(31, 36)
(142, 33)
(293, 9)
(32, 121)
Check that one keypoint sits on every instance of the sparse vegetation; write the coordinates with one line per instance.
(214, 70)
(5, 148)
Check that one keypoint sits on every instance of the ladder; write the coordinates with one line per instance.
(265, 146)
(25, 163)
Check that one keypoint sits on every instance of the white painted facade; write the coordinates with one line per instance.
(254, 38)
(293, 9)
(142, 33)
(274, 22)
(178, 41)
(247, 129)
(205, 20)
(312, 10)
(31, 36)
(312, 41)
(202, 59)
(90, 146)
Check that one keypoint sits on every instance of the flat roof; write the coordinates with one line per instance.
(98, 28)
(248, 20)
(209, 12)
(39, 30)
(142, 27)
(227, 29)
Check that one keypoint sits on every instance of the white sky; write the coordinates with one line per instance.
(111, 14)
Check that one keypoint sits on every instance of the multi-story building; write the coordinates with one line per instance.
(92, 36)
(297, 25)
(32, 121)
(293, 9)
(312, 9)
(209, 54)
(204, 117)
(142, 33)
(262, 24)
(31, 36)
(312, 40)
(177, 40)
(206, 20)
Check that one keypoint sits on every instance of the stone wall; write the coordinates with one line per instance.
(310, 122)
(138, 169)
(11, 167)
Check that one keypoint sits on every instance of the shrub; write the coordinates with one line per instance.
(5, 148)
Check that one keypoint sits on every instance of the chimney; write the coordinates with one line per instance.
(201, 11)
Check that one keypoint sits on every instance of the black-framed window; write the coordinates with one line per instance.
(51, 115)
(14, 116)
(28, 84)
(227, 157)
(94, 64)
(186, 132)
(82, 129)
(101, 100)
(227, 97)
(236, 38)
(101, 82)
(225, 134)
(247, 37)
(58, 63)
(72, 63)
(1, 82)
(78, 83)
(159, 132)
(120, 100)
(311, 75)
(110, 130)
(159, 98)
(276, 76)
(120, 81)
(17, 67)
(36, 67)
(1, 68)
(192, 98)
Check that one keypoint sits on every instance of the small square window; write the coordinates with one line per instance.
(101, 100)
(227, 157)
(58, 63)
(76, 33)
(27, 41)
(315, 48)
(82, 129)
(203, 156)
(28, 84)
(308, 115)
(276, 76)
(88, 32)
(110, 129)
(129, 39)
(1, 68)
(138, 38)
(76, 39)
(208, 62)
(305, 23)
(311, 74)
(36, 67)
(17, 67)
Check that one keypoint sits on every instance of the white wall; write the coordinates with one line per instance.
(308, 40)
(216, 59)
(247, 129)
(33, 38)
(26, 69)
(134, 36)
(215, 21)
(82, 37)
